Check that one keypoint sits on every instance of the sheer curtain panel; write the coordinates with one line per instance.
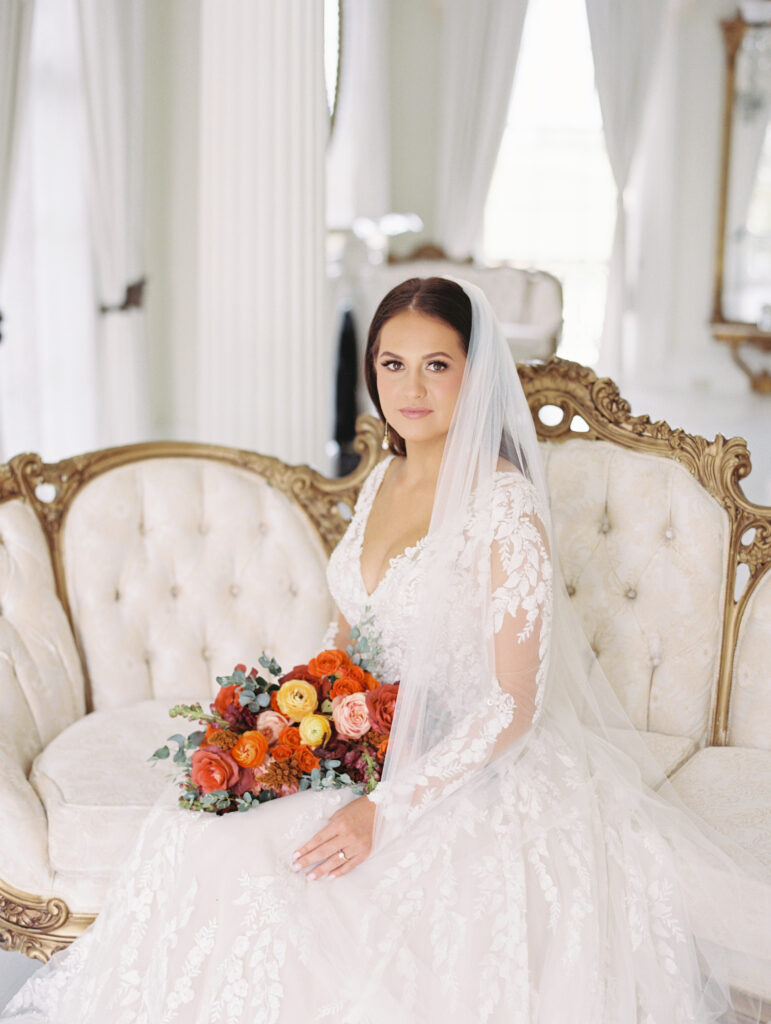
(15, 35)
(625, 36)
(112, 48)
(480, 46)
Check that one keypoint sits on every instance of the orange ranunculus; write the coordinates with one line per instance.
(251, 748)
(273, 701)
(290, 736)
(282, 752)
(228, 695)
(381, 750)
(356, 671)
(306, 759)
(370, 683)
(328, 662)
(344, 685)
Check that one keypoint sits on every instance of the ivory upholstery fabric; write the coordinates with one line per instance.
(669, 751)
(749, 722)
(41, 687)
(96, 785)
(725, 786)
(643, 549)
(179, 568)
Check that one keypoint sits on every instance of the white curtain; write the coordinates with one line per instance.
(15, 35)
(358, 171)
(480, 47)
(47, 374)
(112, 47)
(625, 35)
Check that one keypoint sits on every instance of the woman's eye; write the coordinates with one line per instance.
(437, 364)
(391, 364)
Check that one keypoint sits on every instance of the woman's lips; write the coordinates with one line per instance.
(415, 414)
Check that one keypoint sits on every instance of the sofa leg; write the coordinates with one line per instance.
(36, 926)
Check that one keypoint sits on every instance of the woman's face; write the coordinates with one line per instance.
(419, 366)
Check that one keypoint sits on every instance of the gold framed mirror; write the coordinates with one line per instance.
(741, 312)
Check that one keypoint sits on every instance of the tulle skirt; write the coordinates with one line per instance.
(561, 892)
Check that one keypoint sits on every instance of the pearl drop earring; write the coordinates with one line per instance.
(385, 444)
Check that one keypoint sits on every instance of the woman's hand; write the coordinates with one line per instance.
(349, 830)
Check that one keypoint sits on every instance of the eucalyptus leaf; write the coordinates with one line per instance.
(263, 699)
(305, 782)
(195, 739)
(160, 754)
(178, 739)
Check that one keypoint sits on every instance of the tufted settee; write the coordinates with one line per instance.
(130, 578)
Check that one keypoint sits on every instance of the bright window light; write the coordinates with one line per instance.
(551, 203)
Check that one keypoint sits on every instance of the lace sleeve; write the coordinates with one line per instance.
(521, 591)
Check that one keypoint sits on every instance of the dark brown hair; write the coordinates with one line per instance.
(433, 296)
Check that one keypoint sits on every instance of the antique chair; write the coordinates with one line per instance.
(130, 578)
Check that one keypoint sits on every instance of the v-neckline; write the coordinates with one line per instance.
(406, 553)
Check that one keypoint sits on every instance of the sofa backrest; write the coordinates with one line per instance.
(177, 569)
(749, 723)
(175, 561)
(642, 548)
(41, 682)
(668, 560)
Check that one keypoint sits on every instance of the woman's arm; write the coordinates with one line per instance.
(521, 609)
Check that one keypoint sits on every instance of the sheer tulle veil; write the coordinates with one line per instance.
(448, 748)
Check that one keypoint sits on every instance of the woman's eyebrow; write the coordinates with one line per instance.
(431, 355)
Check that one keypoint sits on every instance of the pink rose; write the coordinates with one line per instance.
(270, 723)
(350, 715)
(213, 768)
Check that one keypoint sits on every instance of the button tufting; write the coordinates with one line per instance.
(293, 589)
(142, 529)
(235, 590)
(655, 661)
(205, 653)
(570, 589)
(117, 594)
(604, 526)
(669, 533)
(203, 528)
(263, 528)
(631, 593)
(174, 591)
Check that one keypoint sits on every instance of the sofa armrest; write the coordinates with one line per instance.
(24, 860)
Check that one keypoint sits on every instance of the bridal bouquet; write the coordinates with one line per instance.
(269, 734)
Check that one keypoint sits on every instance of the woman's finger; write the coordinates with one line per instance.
(346, 865)
(324, 835)
(320, 853)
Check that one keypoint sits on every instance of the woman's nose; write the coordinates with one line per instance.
(415, 385)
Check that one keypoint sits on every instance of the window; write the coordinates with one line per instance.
(551, 203)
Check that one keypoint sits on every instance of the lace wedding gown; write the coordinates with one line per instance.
(550, 900)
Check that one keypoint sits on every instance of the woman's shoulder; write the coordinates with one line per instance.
(510, 494)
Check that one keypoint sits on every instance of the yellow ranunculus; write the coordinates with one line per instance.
(296, 699)
(315, 730)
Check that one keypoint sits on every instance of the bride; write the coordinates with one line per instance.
(511, 865)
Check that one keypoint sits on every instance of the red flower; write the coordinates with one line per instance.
(381, 703)
(228, 695)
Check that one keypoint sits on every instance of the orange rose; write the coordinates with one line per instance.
(344, 685)
(306, 759)
(213, 768)
(228, 695)
(328, 662)
(290, 736)
(282, 752)
(250, 750)
(370, 683)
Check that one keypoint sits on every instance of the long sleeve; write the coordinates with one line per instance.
(519, 586)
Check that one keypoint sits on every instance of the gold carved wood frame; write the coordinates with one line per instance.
(39, 926)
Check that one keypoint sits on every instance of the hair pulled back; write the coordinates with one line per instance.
(437, 297)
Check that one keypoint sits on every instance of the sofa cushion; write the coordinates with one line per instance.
(669, 751)
(179, 568)
(725, 786)
(643, 550)
(97, 785)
